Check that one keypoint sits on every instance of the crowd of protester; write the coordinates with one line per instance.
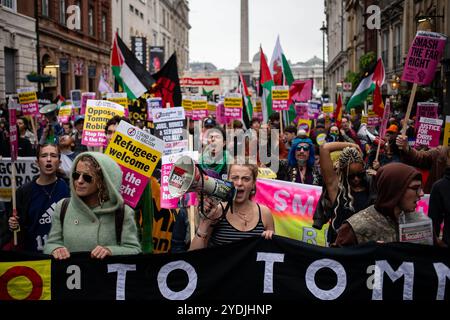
(363, 195)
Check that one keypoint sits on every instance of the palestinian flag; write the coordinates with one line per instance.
(129, 73)
(367, 86)
(266, 83)
(338, 111)
(167, 84)
(248, 107)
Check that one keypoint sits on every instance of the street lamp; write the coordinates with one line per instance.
(324, 30)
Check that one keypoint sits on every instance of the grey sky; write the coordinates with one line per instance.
(215, 32)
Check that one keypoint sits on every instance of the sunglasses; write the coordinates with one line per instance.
(361, 175)
(76, 175)
(304, 148)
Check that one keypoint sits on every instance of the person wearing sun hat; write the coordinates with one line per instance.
(299, 166)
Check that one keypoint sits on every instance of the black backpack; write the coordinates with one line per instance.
(118, 215)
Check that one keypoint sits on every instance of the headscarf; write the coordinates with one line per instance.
(392, 180)
(291, 156)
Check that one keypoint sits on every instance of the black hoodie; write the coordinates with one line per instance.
(439, 209)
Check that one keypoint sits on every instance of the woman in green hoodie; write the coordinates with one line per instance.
(89, 219)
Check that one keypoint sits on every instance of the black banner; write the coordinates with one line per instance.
(254, 269)
(139, 48)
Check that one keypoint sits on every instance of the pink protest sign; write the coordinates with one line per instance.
(428, 132)
(133, 184)
(292, 206)
(423, 56)
(386, 115)
(426, 110)
(280, 98)
(85, 96)
(13, 136)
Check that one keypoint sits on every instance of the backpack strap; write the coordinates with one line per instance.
(62, 214)
(119, 217)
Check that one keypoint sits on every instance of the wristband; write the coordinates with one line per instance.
(202, 235)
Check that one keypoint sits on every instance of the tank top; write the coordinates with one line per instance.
(224, 232)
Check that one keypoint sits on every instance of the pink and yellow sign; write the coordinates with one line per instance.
(423, 57)
(292, 206)
(28, 101)
(280, 98)
(98, 112)
(137, 152)
(233, 106)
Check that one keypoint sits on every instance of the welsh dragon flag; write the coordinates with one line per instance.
(266, 82)
(130, 74)
(282, 73)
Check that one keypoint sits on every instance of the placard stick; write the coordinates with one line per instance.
(378, 150)
(191, 210)
(13, 196)
(281, 122)
(33, 121)
(408, 111)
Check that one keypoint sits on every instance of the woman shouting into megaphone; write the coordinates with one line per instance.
(245, 219)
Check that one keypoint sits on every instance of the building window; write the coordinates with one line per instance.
(62, 12)
(164, 17)
(45, 8)
(10, 70)
(91, 21)
(131, 8)
(11, 4)
(141, 15)
(78, 82)
(103, 26)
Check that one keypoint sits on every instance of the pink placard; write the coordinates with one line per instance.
(93, 138)
(423, 56)
(199, 114)
(13, 136)
(85, 96)
(30, 109)
(232, 114)
(428, 132)
(133, 184)
(426, 110)
(166, 200)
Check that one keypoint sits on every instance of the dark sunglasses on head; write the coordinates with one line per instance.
(361, 175)
(76, 175)
(304, 148)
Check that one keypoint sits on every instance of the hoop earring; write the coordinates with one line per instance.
(253, 192)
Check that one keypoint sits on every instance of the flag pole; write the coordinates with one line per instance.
(408, 111)
(378, 150)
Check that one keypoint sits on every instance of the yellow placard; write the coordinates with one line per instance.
(132, 154)
(446, 141)
(211, 107)
(266, 173)
(258, 106)
(199, 105)
(123, 101)
(353, 112)
(364, 119)
(25, 280)
(303, 123)
(65, 110)
(27, 97)
(328, 108)
(231, 102)
(97, 117)
(186, 104)
(280, 94)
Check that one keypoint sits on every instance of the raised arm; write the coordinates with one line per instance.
(330, 178)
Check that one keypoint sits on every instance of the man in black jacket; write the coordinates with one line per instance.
(439, 209)
(37, 199)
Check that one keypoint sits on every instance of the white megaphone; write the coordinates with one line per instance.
(185, 177)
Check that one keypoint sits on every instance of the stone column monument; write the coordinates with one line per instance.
(245, 66)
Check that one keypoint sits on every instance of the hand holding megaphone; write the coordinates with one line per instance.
(210, 208)
(186, 176)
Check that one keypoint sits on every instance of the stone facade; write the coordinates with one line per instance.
(18, 44)
(76, 58)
